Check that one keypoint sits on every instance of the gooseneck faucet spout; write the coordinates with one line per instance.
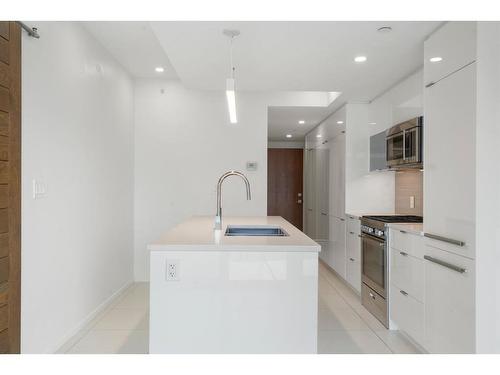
(218, 215)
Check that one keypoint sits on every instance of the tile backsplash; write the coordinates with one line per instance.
(408, 184)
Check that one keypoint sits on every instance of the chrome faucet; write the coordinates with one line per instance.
(218, 215)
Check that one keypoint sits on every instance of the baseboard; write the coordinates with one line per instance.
(74, 334)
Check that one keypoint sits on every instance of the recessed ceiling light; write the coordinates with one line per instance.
(301, 122)
(359, 59)
(318, 136)
(384, 29)
(289, 136)
(159, 69)
(436, 59)
(340, 122)
(372, 123)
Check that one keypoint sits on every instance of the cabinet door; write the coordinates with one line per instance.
(353, 273)
(337, 176)
(339, 249)
(407, 313)
(455, 44)
(322, 192)
(449, 303)
(449, 160)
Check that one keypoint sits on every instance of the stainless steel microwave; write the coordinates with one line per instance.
(404, 144)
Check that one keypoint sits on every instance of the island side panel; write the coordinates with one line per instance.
(234, 302)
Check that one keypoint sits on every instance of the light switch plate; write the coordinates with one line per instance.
(412, 201)
(39, 189)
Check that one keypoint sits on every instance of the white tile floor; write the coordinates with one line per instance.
(344, 326)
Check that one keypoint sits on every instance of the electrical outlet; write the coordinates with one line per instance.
(412, 201)
(172, 270)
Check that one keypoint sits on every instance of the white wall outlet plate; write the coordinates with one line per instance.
(172, 270)
(412, 201)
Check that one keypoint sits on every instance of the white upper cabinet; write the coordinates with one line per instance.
(449, 161)
(455, 44)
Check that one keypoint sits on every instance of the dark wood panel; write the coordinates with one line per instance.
(4, 269)
(4, 245)
(284, 184)
(4, 148)
(4, 75)
(4, 123)
(4, 196)
(4, 293)
(4, 172)
(14, 210)
(4, 29)
(4, 220)
(4, 99)
(4, 51)
(4, 342)
(4, 317)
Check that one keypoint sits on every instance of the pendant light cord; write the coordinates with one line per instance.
(231, 56)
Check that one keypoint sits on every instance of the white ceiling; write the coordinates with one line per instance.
(300, 56)
(273, 56)
(285, 120)
(134, 45)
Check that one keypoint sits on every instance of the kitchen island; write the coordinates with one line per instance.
(215, 293)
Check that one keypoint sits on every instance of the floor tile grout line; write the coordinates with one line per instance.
(347, 302)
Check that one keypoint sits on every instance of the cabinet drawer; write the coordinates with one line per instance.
(449, 302)
(407, 313)
(455, 43)
(353, 225)
(407, 273)
(353, 274)
(353, 244)
(409, 243)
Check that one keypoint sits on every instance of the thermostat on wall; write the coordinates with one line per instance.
(251, 165)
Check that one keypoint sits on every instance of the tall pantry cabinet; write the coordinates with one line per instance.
(449, 188)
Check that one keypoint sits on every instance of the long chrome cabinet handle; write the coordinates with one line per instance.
(445, 264)
(444, 239)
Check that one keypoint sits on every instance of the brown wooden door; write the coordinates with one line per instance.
(284, 184)
(10, 186)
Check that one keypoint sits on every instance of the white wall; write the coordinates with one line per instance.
(77, 136)
(488, 188)
(183, 144)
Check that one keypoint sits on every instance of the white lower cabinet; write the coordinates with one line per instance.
(353, 274)
(353, 252)
(408, 313)
(431, 294)
(407, 273)
(449, 302)
(337, 243)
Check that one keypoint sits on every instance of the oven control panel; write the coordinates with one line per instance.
(373, 231)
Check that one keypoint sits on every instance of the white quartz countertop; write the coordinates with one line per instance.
(414, 228)
(197, 234)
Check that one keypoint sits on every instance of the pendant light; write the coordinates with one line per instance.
(230, 87)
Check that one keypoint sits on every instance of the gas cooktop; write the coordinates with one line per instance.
(396, 218)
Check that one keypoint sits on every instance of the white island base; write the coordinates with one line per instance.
(233, 294)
